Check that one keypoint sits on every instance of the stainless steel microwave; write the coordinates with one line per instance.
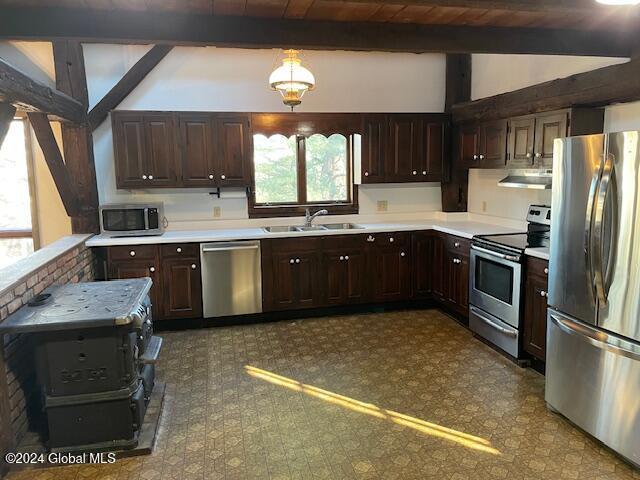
(131, 219)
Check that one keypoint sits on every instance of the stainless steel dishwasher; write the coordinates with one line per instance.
(231, 278)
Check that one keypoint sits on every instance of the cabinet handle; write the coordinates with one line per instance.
(391, 240)
(528, 155)
(424, 172)
(546, 271)
(291, 260)
(346, 257)
(193, 266)
(457, 260)
(543, 293)
(144, 177)
(481, 157)
(210, 176)
(414, 173)
(150, 177)
(297, 260)
(538, 155)
(366, 174)
(371, 238)
(475, 157)
(341, 257)
(456, 244)
(402, 254)
(152, 269)
(223, 177)
(132, 253)
(179, 250)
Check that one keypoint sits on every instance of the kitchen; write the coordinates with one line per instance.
(353, 282)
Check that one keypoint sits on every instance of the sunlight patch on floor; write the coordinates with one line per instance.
(428, 428)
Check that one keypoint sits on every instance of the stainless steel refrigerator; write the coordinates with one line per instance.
(593, 324)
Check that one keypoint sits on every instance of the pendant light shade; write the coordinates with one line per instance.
(291, 79)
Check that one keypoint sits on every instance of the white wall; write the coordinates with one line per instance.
(619, 118)
(492, 74)
(222, 79)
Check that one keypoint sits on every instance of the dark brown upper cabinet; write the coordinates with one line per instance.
(182, 149)
(198, 152)
(521, 142)
(403, 147)
(548, 128)
(234, 150)
(144, 146)
(374, 142)
(469, 146)
(493, 144)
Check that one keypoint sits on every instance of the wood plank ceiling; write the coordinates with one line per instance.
(572, 14)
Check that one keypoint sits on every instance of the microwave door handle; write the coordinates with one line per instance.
(604, 193)
(146, 219)
(589, 238)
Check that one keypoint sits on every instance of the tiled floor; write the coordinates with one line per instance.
(406, 395)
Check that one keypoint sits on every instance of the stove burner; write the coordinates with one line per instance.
(39, 300)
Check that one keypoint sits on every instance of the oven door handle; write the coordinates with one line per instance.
(511, 258)
(493, 324)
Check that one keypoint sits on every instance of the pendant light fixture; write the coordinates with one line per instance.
(291, 79)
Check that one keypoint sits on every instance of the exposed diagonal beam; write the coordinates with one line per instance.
(7, 112)
(183, 29)
(127, 83)
(30, 95)
(604, 86)
(53, 157)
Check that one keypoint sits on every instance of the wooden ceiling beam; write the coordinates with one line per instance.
(248, 32)
(7, 114)
(53, 157)
(127, 83)
(21, 91)
(604, 86)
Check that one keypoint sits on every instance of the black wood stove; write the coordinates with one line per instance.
(95, 362)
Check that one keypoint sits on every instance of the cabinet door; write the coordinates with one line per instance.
(424, 266)
(469, 146)
(548, 128)
(130, 150)
(392, 272)
(124, 269)
(433, 144)
(305, 275)
(160, 140)
(535, 316)
(493, 144)
(197, 150)
(402, 162)
(374, 148)
(439, 277)
(344, 274)
(280, 290)
(182, 290)
(234, 151)
(457, 287)
(521, 135)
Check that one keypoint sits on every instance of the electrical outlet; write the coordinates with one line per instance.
(383, 205)
(217, 212)
(484, 205)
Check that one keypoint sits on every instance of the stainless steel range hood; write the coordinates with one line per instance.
(535, 179)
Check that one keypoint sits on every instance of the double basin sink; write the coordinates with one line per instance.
(312, 228)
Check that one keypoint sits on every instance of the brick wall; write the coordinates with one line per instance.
(19, 398)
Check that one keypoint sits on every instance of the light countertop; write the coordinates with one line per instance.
(539, 252)
(463, 225)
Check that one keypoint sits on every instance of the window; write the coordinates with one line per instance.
(302, 161)
(16, 237)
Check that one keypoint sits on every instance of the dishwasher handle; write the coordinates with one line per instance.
(230, 247)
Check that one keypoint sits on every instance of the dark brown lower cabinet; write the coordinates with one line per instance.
(422, 246)
(344, 270)
(176, 290)
(457, 284)
(535, 308)
(391, 262)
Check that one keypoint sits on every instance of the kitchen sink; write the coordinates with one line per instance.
(341, 226)
(312, 228)
(280, 229)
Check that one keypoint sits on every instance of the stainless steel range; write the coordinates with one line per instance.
(95, 356)
(495, 280)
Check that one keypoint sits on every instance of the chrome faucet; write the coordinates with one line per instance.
(308, 218)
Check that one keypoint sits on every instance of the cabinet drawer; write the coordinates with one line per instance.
(537, 266)
(457, 244)
(138, 252)
(180, 250)
(392, 238)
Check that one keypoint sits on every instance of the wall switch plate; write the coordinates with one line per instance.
(217, 212)
(383, 205)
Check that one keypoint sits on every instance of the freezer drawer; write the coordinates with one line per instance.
(231, 278)
(593, 379)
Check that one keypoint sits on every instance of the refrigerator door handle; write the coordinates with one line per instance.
(600, 268)
(598, 338)
(588, 229)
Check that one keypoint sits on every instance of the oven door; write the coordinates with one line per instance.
(495, 284)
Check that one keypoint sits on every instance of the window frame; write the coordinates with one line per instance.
(19, 233)
(302, 126)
